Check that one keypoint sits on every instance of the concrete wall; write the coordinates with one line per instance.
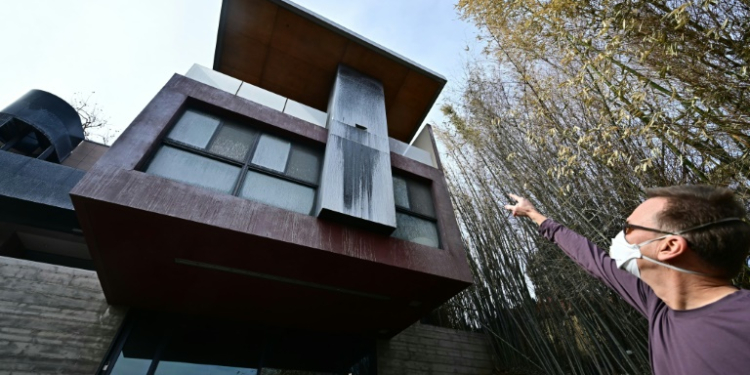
(429, 350)
(53, 320)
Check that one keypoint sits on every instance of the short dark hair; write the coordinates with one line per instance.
(723, 246)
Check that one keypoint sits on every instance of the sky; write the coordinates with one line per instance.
(118, 54)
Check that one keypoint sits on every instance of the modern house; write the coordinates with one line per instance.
(280, 213)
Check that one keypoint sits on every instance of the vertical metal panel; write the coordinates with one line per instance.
(356, 183)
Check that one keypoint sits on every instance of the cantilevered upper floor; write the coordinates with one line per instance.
(284, 198)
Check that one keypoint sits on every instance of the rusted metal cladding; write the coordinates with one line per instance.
(356, 181)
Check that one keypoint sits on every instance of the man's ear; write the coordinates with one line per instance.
(671, 248)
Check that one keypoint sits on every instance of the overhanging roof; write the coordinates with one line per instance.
(286, 49)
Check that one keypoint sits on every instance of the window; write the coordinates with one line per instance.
(21, 138)
(167, 344)
(232, 158)
(415, 213)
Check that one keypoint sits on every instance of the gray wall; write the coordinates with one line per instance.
(53, 320)
(424, 349)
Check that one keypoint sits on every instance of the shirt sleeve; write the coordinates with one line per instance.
(598, 263)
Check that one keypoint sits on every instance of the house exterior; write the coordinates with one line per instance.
(281, 213)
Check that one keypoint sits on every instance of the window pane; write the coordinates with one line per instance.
(194, 169)
(209, 346)
(272, 153)
(278, 192)
(139, 349)
(184, 368)
(417, 230)
(131, 366)
(275, 371)
(194, 128)
(400, 192)
(304, 164)
(233, 141)
(420, 198)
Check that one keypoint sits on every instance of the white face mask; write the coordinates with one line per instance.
(625, 254)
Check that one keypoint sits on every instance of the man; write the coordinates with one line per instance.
(673, 262)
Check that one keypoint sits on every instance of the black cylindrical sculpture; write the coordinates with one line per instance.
(40, 120)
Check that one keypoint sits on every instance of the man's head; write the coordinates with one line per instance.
(723, 247)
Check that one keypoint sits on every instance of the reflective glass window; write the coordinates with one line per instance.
(417, 230)
(400, 192)
(415, 212)
(304, 164)
(277, 192)
(420, 199)
(183, 166)
(233, 141)
(194, 128)
(131, 365)
(234, 158)
(170, 344)
(187, 368)
(139, 349)
(272, 153)
(276, 371)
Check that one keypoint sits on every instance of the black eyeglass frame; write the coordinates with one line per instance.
(626, 228)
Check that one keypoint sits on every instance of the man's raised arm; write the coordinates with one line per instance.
(584, 252)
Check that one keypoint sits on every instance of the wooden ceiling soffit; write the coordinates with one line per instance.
(281, 47)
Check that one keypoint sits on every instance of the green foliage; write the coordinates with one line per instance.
(586, 104)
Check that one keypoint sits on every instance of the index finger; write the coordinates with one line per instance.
(515, 197)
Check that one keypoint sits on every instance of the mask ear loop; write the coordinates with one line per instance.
(662, 263)
(674, 267)
(679, 233)
(729, 219)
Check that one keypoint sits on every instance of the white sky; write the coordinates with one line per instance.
(125, 51)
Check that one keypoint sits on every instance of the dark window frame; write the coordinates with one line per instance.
(171, 325)
(410, 212)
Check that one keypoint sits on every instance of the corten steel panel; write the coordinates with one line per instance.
(164, 245)
(286, 49)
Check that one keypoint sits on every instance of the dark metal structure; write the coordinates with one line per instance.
(36, 128)
(42, 125)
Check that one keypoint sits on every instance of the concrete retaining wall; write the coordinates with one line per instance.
(53, 320)
(429, 350)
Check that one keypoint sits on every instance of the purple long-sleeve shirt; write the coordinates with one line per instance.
(713, 339)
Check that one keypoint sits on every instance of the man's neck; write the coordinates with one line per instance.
(681, 291)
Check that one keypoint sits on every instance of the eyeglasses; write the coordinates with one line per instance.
(628, 228)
